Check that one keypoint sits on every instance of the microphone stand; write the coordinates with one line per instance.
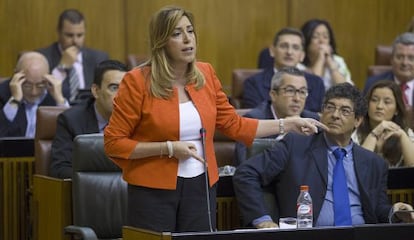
(203, 143)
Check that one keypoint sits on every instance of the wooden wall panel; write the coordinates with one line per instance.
(30, 25)
(230, 33)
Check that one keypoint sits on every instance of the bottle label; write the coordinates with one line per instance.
(304, 209)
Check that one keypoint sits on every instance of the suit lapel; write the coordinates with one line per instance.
(361, 169)
(319, 155)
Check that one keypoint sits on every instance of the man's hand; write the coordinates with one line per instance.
(267, 224)
(16, 85)
(407, 217)
(54, 87)
(69, 56)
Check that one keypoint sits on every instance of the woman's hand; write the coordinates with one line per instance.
(185, 150)
(306, 126)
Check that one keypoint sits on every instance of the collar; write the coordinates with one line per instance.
(332, 146)
(101, 121)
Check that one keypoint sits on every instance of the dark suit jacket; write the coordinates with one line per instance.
(373, 79)
(17, 127)
(262, 111)
(302, 160)
(90, 57)
(79, 119)
(257, 87)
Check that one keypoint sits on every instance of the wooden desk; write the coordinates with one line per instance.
(16, 169)
(364, 232)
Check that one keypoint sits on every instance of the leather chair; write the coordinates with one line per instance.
(378, 69)
(134, 60)
(51, 196)
(98, 192)
(383, 55)
(238, 78)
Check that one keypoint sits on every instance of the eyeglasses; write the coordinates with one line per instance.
(331, 108)
(291, 92)
(30, 86)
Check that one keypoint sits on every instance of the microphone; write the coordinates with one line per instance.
(203, 143)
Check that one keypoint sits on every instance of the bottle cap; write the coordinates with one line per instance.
(304, 188)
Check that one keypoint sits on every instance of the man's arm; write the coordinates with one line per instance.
(62, 146)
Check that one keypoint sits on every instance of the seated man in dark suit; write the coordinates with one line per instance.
(30, 87)
(88, 117)
(288, 94)
(69, 60)
(288, 51)
(314, 161)
(402, 62)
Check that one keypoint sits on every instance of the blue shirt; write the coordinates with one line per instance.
(326, 216)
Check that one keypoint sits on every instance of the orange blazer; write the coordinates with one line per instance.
(139, 117)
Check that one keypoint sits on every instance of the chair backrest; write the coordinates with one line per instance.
(378, 69)
(383, 55)
(134, 60)
(45, 132)
(98, 192)
(238, 78)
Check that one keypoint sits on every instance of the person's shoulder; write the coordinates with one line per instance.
(48, 49)
(309, 114)
(99, 54)
(388, 75)
(260, 111)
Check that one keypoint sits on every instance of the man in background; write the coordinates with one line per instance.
(30, 87)
(288, 94)
(402, 72)
(69, 60)
(88, 117)
(288, 51)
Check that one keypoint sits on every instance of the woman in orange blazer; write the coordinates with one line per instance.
(154, 130)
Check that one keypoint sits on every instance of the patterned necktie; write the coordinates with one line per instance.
(404, 87)
(342, 209)
(73, 83)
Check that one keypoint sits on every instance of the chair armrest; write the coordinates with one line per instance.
(84, 232)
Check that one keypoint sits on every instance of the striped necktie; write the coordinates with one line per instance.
(73, 83)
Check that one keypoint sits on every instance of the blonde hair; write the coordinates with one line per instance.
(161, 28)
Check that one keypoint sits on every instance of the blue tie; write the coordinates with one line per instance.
(342, 210)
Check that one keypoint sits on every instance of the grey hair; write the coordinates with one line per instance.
(406, 38)
(277, 79)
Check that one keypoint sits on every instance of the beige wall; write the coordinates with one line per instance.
(230, 33)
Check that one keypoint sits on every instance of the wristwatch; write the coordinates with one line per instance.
(14, 100)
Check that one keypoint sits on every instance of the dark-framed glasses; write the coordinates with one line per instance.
(291, 92)
(343, 110)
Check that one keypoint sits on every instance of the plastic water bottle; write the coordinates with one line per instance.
(304, 208)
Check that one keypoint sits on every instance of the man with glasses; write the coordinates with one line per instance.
(31, 86)
(91, 116)
(347, 182)
(288, 94)
(402, 62)
(288, 51)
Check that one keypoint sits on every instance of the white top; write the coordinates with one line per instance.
(327, 78)
(190, 125)
(410, 134)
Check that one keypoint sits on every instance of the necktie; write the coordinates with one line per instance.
(404, 87)
(342, 209)
(73, 83)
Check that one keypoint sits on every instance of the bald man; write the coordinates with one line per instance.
(30, 87)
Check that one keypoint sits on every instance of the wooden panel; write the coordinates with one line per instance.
(230, 33)
(15, 182)
(30, 25)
